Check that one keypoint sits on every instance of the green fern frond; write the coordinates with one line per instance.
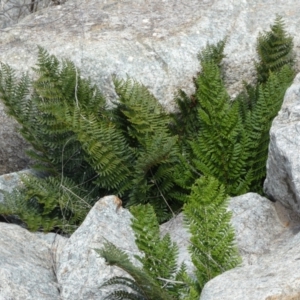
(142, 285)
(213, 53)
(275, 50)
(212, 243)
(221, 148)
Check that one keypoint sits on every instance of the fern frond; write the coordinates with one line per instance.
(275, 50)
(212, 243)
(143, 285)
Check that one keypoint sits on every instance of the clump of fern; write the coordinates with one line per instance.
(128, 150)
(212, 245)
(159, 277)
(212, 248)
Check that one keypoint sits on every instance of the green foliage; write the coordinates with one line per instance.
(221, 147)
(48, 203)
(213, 53)
(275, 50)
(145, 127)
(212, 243)
(128, 150)
(142, 286)
(258, 120)
(160, 253)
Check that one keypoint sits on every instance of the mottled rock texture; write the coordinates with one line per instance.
(27, 264)
(49, 267)
(270, 252)
(80, 270)
(283, 166)
(154, 41)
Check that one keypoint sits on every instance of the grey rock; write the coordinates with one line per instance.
(256, 225)
(269, 249)
(27, 264)
(10, 181)
(283, 165)
(181, 236)
(155, 42)
(12, 11)
(80, 270)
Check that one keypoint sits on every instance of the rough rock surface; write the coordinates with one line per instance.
(283, 166)
(80, 270)
(10, 181)
(48, 266)
(269, 247)
(180, 235)
(27, 264)
(155, 42)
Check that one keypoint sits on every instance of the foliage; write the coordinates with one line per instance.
(48, 203)
(212, 242)
(160, 253)
(275, 50)
(128, 150)
(141, 287)
(212, 245)
(144, 124)
(258, 117)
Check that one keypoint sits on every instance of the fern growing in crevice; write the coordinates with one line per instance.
(212, 248)
(275, 50)
(142, 286)
(48, 203)
(144, 125)
(221, 147)
(212, 245)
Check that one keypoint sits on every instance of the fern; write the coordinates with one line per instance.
(259, 119)
(221, 147)
(275, 50)
(145, 127)
(48, 203)
(142, 286)
(160, 254)
(212, 243)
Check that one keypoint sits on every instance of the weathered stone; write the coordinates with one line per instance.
(256, 225)
(283, 165)
(80, 270)
(181, 236)
(27, 264)
(12, 11)
(10, 181)
(249, 212)
(269, 248)
(155, 42)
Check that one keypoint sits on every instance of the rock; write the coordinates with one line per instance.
(256, 225)
(13, 11)
(27, 264)
(155, 42)
(49, 266)
(80, 270)
(181, 236)
(269, 249)
(12, 180)
(283, 165)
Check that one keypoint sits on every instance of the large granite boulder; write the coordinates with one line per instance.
(283, 166)
(155, 42)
